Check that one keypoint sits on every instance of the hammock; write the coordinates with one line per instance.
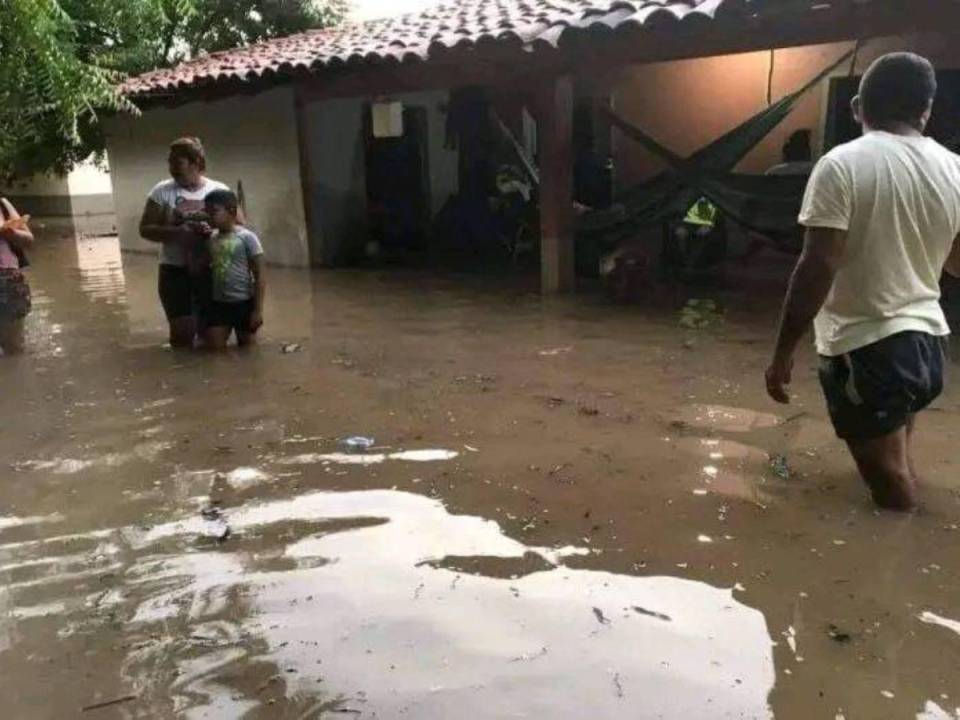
(768, 204)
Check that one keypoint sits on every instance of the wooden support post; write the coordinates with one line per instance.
(306, 177)
(555, 116)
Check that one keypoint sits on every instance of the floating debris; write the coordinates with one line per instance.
(650, 613)
(215, 524)
(617, 685)
(109, 703)
(357, 443)
(780, 467)
(291, 348)
(698, 314)
(838, 635)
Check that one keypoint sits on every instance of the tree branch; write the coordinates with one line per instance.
(205, 27)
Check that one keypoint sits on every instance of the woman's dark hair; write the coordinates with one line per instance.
(898, 88)
(797, 148)
(191, 150)
(222, 198)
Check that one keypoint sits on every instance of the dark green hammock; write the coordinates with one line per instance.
(767, 204)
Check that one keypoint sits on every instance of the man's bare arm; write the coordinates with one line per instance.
(19, 236)
(810, 285)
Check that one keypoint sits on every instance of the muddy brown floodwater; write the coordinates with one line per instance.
(572, 510)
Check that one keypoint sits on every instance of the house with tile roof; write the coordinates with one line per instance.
(334, 134)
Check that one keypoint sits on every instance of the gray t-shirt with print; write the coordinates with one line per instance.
(230, 256)
(180, 205)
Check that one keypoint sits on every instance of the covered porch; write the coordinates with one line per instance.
(380, 142)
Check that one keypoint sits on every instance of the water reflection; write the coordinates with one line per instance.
(100, 266)
(389, 605)
(724, 418)
(933, 711)
(378, 602)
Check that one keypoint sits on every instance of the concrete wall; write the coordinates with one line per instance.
(80, 202)
(335, 148)
(335, 143)
(252, 139)
(688, 104)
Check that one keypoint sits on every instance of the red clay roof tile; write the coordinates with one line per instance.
(455, 24)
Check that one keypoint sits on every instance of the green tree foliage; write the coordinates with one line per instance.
(61, 60)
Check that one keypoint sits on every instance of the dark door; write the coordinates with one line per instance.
(398, 194)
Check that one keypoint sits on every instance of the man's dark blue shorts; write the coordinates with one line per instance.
(873, 391)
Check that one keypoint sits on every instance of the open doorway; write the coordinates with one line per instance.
(398, 188)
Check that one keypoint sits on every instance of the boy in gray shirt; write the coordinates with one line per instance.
(238, 287)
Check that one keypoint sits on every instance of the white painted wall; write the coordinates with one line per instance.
(79, 202)
(444, 163)
(248, 138)
(90, 178)
(87, 178)
(334, 135)
(39, 186)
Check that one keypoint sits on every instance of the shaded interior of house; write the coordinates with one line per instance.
(582, 160)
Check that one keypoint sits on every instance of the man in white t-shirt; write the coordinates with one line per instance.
(174, 218)
(882, 215)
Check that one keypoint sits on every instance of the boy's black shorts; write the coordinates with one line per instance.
(233, 315)
(873, 391)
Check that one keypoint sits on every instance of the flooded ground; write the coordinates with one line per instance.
(571, 510)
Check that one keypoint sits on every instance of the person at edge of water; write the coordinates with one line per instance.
(238, 287)
(15, 302)
(796, 161)
(883, 216)
(797, 156)
(173, 218)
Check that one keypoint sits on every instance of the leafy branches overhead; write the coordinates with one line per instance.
(138, 35)
(47, 93)
(61, 60)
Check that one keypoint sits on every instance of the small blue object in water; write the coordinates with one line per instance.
(357, 443)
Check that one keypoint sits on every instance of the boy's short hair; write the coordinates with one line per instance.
(898, 87)
(191, 150)
(222, 198)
